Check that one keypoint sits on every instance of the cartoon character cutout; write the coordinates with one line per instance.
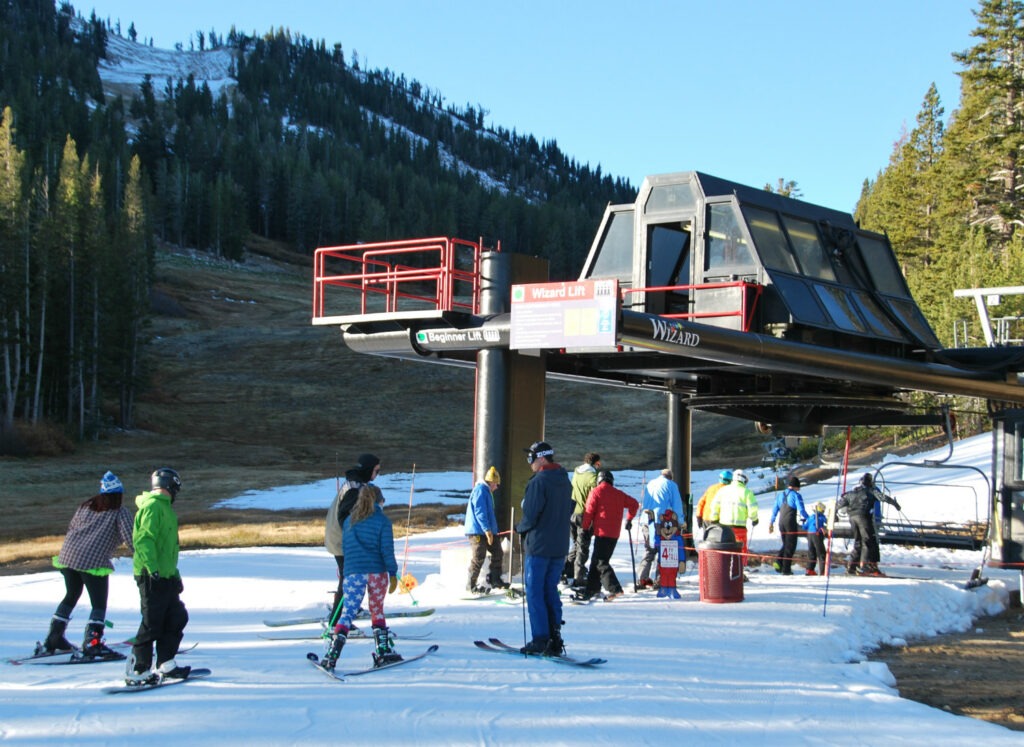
(669, 543)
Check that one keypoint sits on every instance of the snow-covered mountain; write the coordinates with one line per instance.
(128, 63)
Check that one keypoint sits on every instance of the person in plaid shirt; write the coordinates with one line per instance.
(99, 526)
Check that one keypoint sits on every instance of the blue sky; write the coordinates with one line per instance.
(748, 90)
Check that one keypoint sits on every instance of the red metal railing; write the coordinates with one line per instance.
(438, 273)
(750, 294)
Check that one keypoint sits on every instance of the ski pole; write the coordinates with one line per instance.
(525, 590)
(408, 521)
(632, 558)
(831, 530)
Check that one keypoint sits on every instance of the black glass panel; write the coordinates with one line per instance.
(840, 308)
(615, 254)
(769, 240)
(809, 250)
(799, 300)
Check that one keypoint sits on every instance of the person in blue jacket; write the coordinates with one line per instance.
(370, 570)
(787, 506)
(816, 527)
(482, 531)
(547, 506)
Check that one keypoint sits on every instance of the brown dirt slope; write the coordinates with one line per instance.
(974, 674)
(242, 391)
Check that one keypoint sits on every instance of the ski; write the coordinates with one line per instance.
(353, 635)
(382, 667)
(79, 658)
(498, 647)
(32, 658)
(16, 660)
(363, 615)
(315, 661)
(195, 674)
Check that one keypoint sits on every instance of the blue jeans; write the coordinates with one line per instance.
(542, 598)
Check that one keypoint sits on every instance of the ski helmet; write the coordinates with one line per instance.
(605, 476)
(539, 449)
(740, 476)
(167, 479)
(725, 476)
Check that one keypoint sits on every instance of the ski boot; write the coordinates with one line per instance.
(538, 646)
(385, 653)
(555, 645)
(93, 646)
(338, 641)
(55, 641)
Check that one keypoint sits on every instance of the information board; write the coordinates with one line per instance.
(580, 314)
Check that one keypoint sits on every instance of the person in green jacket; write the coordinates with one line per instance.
(584, 479)
(155, 537)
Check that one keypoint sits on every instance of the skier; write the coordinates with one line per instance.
(370, 570)
(671, 550)
(733, 505)
(787, 505)
(365, 471)
(544, 527)
(164, 617)
(659, 494)
(816, 527)
(97, 528)
(603, 517)
(702, 514)
(482, 531)
(584, 478)
(860, 504)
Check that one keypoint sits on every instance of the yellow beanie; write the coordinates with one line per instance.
(492, 476)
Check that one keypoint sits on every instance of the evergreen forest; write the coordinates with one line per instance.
(311, 150)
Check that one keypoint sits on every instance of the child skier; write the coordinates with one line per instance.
(816, 527)
(669, 544)
(370, 570)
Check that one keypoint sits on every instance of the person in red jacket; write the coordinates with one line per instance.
(603, 516)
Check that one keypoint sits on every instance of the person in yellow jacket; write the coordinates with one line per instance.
(733, 506)
(702, 514)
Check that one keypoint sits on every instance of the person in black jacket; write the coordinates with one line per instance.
(860, 505)
(365, 471)
(547, 506)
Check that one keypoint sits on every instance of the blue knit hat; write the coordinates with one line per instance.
(110, 484)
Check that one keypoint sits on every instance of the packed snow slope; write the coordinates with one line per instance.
(788, 665)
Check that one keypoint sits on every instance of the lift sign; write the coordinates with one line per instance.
(564, 315)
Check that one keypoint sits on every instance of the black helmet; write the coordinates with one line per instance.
(168, 479)
(867, 481)
(539, 449)
(605, 476)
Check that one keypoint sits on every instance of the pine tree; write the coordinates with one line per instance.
(986, 139)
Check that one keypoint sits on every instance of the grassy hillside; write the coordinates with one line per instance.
(243, 392)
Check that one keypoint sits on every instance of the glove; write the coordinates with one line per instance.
(179, 585)
(490, 537)
(392, 584)
(629, 524)
(753, 523)
(771, 528)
